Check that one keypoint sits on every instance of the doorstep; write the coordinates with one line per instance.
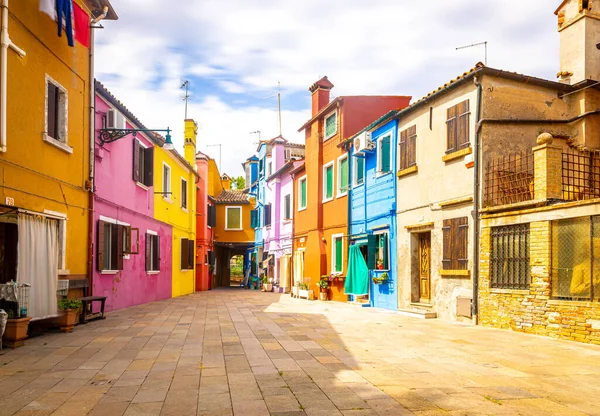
(416, 313)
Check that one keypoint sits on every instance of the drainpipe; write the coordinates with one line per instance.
(475, 306)
(5, 43)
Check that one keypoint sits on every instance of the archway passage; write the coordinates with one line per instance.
(236, 270)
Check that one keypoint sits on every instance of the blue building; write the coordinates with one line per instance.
(372, 214)
(251, 168)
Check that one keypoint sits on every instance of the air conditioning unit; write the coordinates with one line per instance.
(363, 143)
(114, 119)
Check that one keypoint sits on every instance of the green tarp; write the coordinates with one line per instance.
(357, 278)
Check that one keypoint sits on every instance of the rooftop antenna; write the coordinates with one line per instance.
(256, 132)
(214, 145)
(476, 44)
(278, 103)
(186, 84)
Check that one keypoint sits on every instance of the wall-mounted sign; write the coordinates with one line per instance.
(10, 201)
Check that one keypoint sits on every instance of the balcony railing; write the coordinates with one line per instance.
(509, 179)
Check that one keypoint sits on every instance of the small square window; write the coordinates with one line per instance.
(330, 125)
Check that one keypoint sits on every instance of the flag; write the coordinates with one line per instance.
(82, 25)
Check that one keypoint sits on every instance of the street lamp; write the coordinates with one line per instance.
(112, 135)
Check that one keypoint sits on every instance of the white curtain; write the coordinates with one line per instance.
(284, 272)
(38, 263)
(298, 267)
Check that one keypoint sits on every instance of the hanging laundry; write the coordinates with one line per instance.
(48, 7)
(82, 25)
(65, 10)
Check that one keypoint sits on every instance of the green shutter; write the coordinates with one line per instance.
(360, 170)
(329, 182)
(371, 249)
(233, 218)
(343, 172)
(339, 254)
(331, 125)
(303, 194)
(384, 239)
(385, 154)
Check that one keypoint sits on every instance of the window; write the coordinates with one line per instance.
(457, 124)
(330, 125)
(183, 193)
(211, 211)
(233, 218)
(342, 182)
(188, 254)
(384, 154)
(575, 253)
(382, 261)
(302, 193)
(287, 207)
(359, 170)
(166, 185)
(455, 255)
(254, 223)
(509, 260)
(261, 168)
(9, 236)
(270, 171)
(152, 252)
(328, 182)
(143, 164)
(408, 148)
(337, 253)
(111, 246)
(56, 114)
(267, 213)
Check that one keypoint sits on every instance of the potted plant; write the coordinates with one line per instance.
(16, 330)
(67, 320)
(379, 264)
(381, 279)
(305, 292)
(323, 286)
(267, 287)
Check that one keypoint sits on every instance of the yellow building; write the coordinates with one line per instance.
(175, 204)
(45, 152)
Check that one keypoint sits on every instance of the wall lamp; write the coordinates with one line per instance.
(112, 135)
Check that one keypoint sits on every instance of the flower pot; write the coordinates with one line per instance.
(268, 287)
(67, 320)
(16, 332)
(295, 291)
(323, 296)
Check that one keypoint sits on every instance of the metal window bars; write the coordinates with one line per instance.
(509, 179)
(509, 262)
(580, 174)
(14, 299)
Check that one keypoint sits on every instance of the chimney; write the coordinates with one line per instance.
(578, 27)
(320, 94)
(226, 182)
(189, 145)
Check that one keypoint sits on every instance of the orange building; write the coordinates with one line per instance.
(321, 184)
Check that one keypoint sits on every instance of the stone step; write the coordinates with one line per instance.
(417, 313)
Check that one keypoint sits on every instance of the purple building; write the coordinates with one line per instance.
(132, 250)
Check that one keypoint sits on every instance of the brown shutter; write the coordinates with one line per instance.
(148, 251)
(136, 161)
(412, 146)
(447, 245)
(119, 247)
(100, 249)
(113, 246)
(191, 254)
(183, 193)
(156, 260)
(451, 129)
(462, 248)
(184, 253)
(462, 139)
(52, 111)
(403, 152)
(149, 166)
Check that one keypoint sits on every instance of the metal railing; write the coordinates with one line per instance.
(509, 179)
(580, 174)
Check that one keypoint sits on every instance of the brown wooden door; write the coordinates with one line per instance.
(424, 267)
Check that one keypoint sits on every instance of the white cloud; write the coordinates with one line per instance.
(245, 47)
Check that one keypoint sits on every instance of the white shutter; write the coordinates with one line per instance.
(111, 118)
(120, 121)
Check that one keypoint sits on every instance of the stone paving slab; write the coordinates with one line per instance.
(233, 352)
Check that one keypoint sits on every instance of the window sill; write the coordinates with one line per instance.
(64, 272)
(141, 185)
(109, 271)
(407, 171)
(287, 220)
(186, 270)
(341, 194)
(301, 209)
(330, 136)
(327, 200)
(455, 273)
(456, 201)
(457, 154)
(380, 174)
(586, 303)
(356, 185)
(57, 143)
(167, 200)
(184, 210)
(509, 291)
(152, 272)
(234, 229)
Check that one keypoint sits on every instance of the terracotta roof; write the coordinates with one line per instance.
(298, 168)
(232, 196)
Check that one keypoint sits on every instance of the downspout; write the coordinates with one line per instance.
(5, 43)
(475, 306)
(92, 122)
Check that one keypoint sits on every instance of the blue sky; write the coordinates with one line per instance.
(233, 52)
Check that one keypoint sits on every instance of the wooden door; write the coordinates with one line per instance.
(424, 267)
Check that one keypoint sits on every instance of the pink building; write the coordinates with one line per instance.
(132, 250)
(279, 196)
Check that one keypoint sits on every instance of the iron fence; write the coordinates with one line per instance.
(580, 174)
(509, 179)
(509, 262)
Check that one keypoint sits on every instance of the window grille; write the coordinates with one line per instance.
(509, 263)
(509, 179)
(580, 174)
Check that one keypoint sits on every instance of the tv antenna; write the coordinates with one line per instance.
(256, 132)
(484, 44)
(278, 103)
(185, 84)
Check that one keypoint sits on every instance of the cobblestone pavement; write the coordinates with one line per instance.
(237, 352)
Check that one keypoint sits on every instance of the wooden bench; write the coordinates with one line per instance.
(87, 301)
